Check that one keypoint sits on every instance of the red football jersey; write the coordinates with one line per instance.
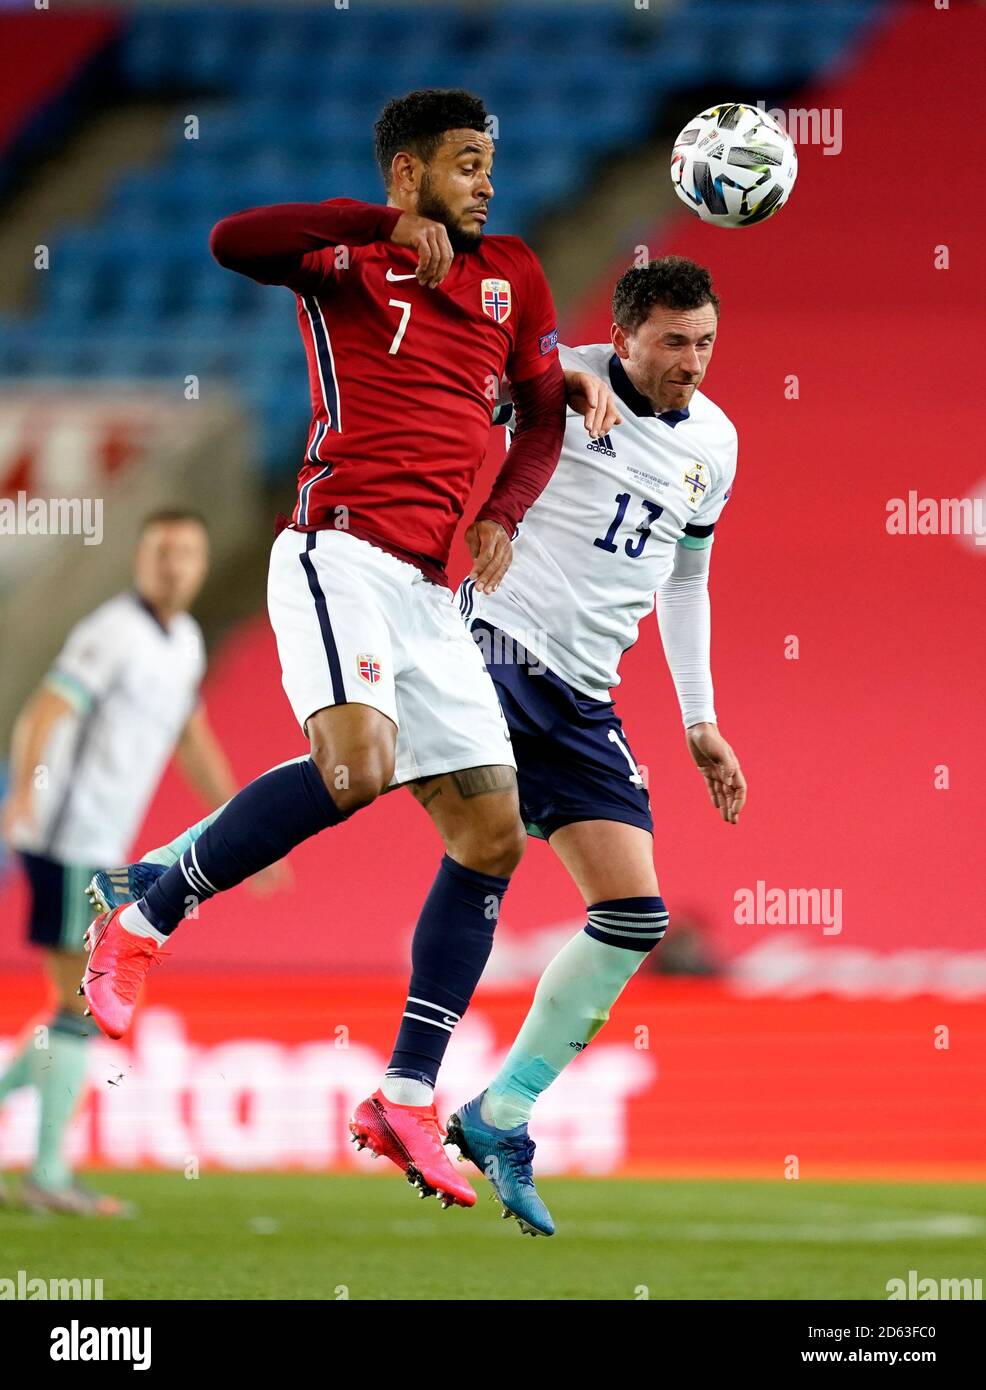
(404, 381)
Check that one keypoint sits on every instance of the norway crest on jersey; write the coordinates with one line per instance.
(368, 668)
(496, 298)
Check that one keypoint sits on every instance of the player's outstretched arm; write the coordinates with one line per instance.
(32, 729)
(537, 385)
(203, 761)
(685, 619)
(280, 244)
(594, 399)
(589, 395)
(585, 393)
(539, 412)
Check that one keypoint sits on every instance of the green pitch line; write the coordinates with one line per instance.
(288, 1236)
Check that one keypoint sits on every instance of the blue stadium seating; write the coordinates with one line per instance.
(286, 100)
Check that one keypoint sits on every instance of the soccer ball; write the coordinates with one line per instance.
(734, 165)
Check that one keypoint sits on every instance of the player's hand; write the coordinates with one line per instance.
(491, 551)
(276, 878)
(720, 767)
(430, 240)
(594, 400)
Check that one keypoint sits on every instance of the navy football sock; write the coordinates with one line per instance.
(451, 945)
(257, 827)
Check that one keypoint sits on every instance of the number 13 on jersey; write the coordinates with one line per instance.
(633, 547)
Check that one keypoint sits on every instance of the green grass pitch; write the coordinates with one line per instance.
(260, 1236)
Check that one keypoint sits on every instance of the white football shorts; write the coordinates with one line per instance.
(355, 625)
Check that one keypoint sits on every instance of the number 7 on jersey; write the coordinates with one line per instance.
(405, 309)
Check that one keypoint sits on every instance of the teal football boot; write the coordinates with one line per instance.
(504, 1157)
(112, 888)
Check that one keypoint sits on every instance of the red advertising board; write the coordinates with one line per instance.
(250, 1072)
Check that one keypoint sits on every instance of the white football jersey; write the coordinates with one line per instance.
(600, 540)
(132, 684)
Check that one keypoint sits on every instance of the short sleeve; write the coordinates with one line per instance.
(699, 531)
(572, 361)
(90, 660)
(536, 343)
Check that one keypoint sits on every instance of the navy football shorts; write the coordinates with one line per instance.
(573, 759)
(60, 910)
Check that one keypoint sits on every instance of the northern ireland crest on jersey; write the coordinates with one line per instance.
(696, 480)
(496, 298)
(368, 668)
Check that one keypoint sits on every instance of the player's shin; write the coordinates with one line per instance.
(59, 1072)
(572, 1002)
(451, 945)
(18, 1072)
(257, 827)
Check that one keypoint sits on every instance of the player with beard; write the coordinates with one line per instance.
(409, 317)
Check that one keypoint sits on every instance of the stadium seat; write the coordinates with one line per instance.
(286, 100)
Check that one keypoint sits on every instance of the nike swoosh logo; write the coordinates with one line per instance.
(391, 276)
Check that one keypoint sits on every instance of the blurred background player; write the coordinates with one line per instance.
(88, 752)
(409, 317)
(626, 519)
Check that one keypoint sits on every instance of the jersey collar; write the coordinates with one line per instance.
(632, 398)
(141, 602)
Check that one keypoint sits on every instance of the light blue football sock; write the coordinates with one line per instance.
(572, 1002)
(59, 1072)
(170, 853)
(18, 1072)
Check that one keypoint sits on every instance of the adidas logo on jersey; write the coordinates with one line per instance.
(602, 446)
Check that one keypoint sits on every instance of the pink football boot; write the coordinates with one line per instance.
(411, 1137)
(118, 962)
